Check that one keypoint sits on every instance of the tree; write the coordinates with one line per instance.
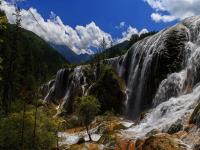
(87, 108)
(1, 66)
(103, 45)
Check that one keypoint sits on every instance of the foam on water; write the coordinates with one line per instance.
(165, 114)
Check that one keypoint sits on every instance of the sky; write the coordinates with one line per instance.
(82, 24)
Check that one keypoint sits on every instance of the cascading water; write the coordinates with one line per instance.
(68, 84)
(159, 67)
(179, 92)
(165, 114)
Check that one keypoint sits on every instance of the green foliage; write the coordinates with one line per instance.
(3, 20)
(67, 65)
(72, 122)
(87, 108)
(11, 126)
(109, 90)
(28, 62)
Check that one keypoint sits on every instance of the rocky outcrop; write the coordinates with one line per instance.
(163, 142)
(71, 83)
(68, 84)
(109, 90)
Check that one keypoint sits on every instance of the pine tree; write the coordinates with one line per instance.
(103, 45)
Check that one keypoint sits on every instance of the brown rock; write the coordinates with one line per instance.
(125, 144)
(180, 134)
(138, 144)
(162, 142)
(86, 146)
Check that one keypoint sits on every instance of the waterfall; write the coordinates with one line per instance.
(68, 84)
(165, 114)
(161, 66)
(177, 94)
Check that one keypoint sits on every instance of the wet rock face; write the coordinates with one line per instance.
(81, 81)
(147, 63)
(162, 66)
(68, 84)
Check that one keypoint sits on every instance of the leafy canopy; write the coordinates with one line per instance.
(87, 108)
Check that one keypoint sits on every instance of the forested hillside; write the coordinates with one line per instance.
(27, 61)
(121, 48)
(19, 48)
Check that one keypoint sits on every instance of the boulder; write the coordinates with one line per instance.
(195, 117)
(125, 144)
(162, 142)
(176, 127)
(152, 132)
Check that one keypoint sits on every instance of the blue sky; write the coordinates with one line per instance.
(105, 13)
(82, 24)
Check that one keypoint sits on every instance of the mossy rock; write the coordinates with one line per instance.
(162, 142)
(176, 127)
(195, 117)
(152, 132)
(119, 127)
(109, 90)
(108, 139)
(110, 127)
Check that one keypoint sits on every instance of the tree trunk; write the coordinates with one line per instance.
(35, 122)
(90, 138)
(23, 120)
(57, 138)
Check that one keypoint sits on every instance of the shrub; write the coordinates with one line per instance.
(87, 108)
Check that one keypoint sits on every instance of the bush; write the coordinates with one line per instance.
(87, 108)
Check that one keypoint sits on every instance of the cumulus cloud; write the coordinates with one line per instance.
(80, 39)
(162, 18)
(129, 32)
(177, 9)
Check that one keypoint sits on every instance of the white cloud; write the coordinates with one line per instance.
(129, 32)
(80, 39)
(143, 31)
(162, 18)
(121, 25)
(177, 9)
